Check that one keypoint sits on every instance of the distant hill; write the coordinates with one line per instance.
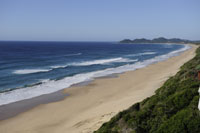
(158, 40)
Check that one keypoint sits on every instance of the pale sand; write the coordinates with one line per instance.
(89, 106)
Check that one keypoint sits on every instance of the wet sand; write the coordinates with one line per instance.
(13, 109)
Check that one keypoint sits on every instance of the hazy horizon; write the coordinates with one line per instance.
(89, 20)
(114, 41)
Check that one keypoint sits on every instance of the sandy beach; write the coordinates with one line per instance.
(87, 107)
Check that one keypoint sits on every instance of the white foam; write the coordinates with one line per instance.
(28, 71)
(59, 66)
(102, 61)
(53, 86)
(74, 54)
(95, 62)
(85, 63)
(140, 54)
(44, 80)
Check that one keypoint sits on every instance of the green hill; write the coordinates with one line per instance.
(158, 40)
(173, 108)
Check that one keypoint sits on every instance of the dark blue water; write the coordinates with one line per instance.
(39, 66)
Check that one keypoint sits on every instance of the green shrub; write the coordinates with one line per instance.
(173, 108)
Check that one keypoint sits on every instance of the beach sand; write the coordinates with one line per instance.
(88, 107)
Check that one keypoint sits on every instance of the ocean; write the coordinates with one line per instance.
(31, 69)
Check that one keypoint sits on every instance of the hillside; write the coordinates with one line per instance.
(173, 108)
(158, 40)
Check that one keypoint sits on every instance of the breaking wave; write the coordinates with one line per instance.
(50, 86)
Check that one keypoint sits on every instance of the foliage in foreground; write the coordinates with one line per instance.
(173, 109)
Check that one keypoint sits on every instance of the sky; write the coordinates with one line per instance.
(98, 20)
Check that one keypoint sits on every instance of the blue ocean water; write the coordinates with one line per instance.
(29, 69)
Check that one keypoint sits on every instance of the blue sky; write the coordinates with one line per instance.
(98, 20)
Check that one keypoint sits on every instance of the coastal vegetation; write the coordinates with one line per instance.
(158, 40)
(172, 109)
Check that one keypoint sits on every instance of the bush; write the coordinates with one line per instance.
(173, 109)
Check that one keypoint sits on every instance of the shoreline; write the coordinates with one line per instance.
(28, 104)
(16, 108)
(38, 89)
(88, 106)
